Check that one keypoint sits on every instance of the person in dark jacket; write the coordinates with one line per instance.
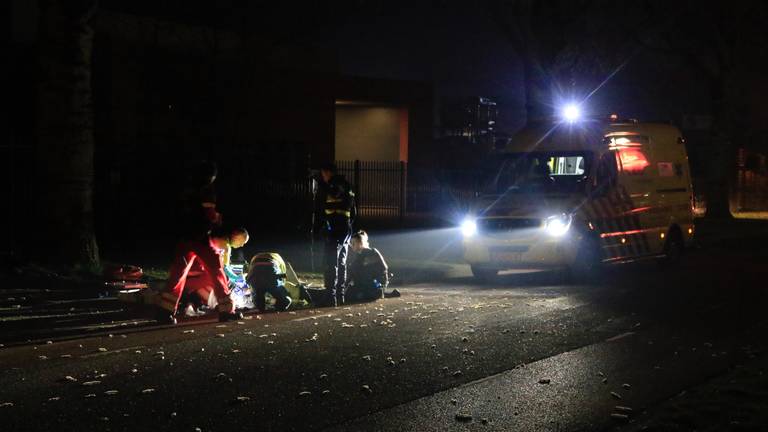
(198, 213)
(368, 272)
(334, 215)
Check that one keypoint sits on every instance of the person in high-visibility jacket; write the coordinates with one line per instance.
(335, 212)
(267, 274)
(197, 271)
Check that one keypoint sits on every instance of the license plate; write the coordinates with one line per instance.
(507, 257)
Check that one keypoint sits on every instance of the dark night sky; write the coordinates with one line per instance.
(454, 46)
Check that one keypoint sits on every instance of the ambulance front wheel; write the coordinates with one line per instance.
(586, 265)
(484, 274)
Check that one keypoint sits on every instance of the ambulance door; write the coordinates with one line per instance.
(673, 185)
(605, 210)
(637, 196)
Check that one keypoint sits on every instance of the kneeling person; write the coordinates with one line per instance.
(267, 274)
(368, 273)
(197, 272)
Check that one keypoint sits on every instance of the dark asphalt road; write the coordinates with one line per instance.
(413, 363)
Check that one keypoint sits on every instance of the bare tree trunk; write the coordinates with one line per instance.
(65, 134)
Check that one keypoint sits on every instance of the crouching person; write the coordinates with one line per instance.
(368, 273)
(267, 274)
(197, 274)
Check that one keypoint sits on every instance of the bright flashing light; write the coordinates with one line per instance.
(557, 226)
(468, 227)
(633, 160)
(571, 113)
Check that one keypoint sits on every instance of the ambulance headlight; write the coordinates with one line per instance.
(557, 226)
(468, 227)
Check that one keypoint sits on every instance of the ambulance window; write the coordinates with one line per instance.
(566, 165)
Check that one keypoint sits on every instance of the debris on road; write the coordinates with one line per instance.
(457, 373)
(148, 391)
(6, 404)
(366, 388)
(620, 417)
(91, 383)
(69, 378)
(623, 409)
(102, 350)
(464, 417)
(111, 392)
(220, 335)
(188, 331)
(616, 395)
(626, 386)
(544, 381)
(305, 393)
(242, 399)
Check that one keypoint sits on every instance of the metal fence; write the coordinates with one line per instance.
(750, 193)
(380, 187)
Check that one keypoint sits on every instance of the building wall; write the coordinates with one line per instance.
(368, 133)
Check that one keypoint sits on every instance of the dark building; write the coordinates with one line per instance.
(172, 87)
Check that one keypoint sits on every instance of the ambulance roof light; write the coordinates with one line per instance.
(571, 112)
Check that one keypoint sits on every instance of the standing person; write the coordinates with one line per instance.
(198, 202)
(368, 272)
(334, 214)
(197, 272)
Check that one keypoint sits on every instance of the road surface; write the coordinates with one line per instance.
(526, 353)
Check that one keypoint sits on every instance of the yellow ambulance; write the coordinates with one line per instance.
(575, 195)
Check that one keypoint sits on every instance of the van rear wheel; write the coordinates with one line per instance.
(484, 274)
(673, 248)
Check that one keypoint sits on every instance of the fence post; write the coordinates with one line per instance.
(356, 178)
(403, 179)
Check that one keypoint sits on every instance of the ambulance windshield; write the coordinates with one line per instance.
(537, 172)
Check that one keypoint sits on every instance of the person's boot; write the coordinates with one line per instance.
(282, 306)
(164, 317)
(230, 316)
(393, 293)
